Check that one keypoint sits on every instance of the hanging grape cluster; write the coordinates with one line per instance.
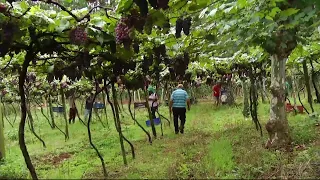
(179, 26)
(120, 68)
(188, 76)
(209, 80)
(4, 92)
(3, 8)
(179, 67)
(54, 86)
(78, 36)
(8, 31)
(160, 51)
(159, 4)
(91, 1)
(166, 27)
(163, 4)
(186, 25)
(241, 68)
(126, 25)
(134, 81)
(136, 48)
(137, 20)
(113, 46)
(123, 31)
(49, 46)
(143, 6)
(83, 60)
(146, 63)
(183, 25)
(200, 73)
(64, 85)
(31, 77)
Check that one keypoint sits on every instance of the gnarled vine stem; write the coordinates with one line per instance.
(90, 138)
(31, 126)
(135, 120)
(116, 117)
(301, 101)
(28, 58)
(254, 103)
(42, 112)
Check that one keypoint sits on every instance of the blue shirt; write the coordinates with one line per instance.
(179, 98)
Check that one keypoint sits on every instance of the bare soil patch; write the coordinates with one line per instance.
(54, 160)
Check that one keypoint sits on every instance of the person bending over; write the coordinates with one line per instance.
(89, 105)
(73, 110)
(178, 102)
(153, 101)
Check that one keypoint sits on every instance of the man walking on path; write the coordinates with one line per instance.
(178, 102)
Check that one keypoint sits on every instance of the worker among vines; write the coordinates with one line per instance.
(216, 92)
(89, 105)
(178, 102)
(153, 101)
(288, 89)
(73, 109)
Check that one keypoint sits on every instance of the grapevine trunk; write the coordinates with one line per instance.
(2, 146)
(22, 124)
(277, 125)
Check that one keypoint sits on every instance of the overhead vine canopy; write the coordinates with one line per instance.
(211, 30)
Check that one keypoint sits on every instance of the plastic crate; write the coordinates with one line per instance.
(300, 109)
(289, 107)
(156, 121)
(98, 105)
(58, 109)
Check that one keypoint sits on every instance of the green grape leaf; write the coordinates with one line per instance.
(124, 6)
(288, 12)
(242, 3)
(62, 25)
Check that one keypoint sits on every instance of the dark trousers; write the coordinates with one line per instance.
(179, 113)
(153, 111)
(72, 115)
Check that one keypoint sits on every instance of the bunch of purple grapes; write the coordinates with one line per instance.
(3, 8)
(64, 85)
(123, 30)
(163, 4)
(78, 36)
(159, 4)
(183, 24)
(4, 92)
(8, 31)
(14, 81)
(31, 77)
(53, 86)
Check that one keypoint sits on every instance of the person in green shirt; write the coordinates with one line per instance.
(288, 88)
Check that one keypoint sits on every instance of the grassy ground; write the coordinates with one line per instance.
(218, 143)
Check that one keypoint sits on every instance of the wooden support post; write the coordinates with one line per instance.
(2, 146)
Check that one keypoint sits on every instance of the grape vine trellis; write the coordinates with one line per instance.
(144, 38)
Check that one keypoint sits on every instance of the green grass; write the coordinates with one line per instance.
(220, 157)
(218, 143)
